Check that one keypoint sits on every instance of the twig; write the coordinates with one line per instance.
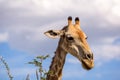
(37, 75)
(7, 68)
(27, 78)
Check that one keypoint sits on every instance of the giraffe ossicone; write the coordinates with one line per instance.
(72, 41)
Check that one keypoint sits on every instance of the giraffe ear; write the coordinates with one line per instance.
(54, 33)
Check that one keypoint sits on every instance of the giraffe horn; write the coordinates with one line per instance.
(69, 20)
(77, 20)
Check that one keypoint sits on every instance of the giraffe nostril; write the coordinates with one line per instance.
(89, 56)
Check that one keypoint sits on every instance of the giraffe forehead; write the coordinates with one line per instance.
(75, 32)
(78, 34)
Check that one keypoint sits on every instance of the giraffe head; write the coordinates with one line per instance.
(74, 42)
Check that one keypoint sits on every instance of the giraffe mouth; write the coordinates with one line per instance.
(87, 64)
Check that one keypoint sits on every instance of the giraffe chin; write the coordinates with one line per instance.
(87, 64)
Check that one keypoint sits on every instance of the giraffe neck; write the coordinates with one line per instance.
(56, 67)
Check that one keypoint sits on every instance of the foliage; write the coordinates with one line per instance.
(38, 62)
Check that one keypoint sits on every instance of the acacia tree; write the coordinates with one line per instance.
(40, 72)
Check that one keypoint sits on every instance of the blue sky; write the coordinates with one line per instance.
(23, 22)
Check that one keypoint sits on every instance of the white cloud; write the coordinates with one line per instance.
(32, 39)
(115, 8)
(106, 52)
(48, 8)
(108, 40)
(4, 37)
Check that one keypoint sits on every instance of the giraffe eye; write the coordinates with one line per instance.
(70, 38)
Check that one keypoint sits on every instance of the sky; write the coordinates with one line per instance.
(23, 22)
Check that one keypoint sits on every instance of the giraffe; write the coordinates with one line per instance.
(72, 41)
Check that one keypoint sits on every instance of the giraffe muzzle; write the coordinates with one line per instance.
(87, 64)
